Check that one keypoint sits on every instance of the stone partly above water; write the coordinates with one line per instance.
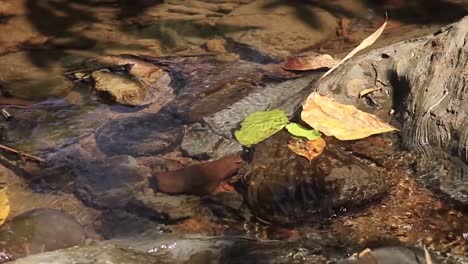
(137, 83)
(285, 188)
(37, 231)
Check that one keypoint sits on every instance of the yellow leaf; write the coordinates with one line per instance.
(345, 122)
(309, 149)
(4, 206)
(368, 91)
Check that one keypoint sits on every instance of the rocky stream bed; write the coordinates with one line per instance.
(134, 112)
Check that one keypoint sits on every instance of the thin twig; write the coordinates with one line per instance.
(36, 158)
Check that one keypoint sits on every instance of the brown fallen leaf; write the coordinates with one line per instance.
(345, 122)
(309, 149)
(306, 63)
(198, 179)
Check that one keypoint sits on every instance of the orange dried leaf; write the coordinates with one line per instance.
(305, 63)
(309, 149)
(345, 122)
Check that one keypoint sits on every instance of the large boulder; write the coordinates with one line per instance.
(424, 81)
(286, 188)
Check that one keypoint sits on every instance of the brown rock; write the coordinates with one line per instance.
(285, 188)
(199, 179)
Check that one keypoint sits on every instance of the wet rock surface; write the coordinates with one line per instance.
(284, 187)
(188, 249)
(37, 231)
(215, 135)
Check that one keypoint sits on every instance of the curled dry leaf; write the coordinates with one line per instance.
(4, 205)
(345, 122)
(306, 63)
(309, 149)
(368, 91)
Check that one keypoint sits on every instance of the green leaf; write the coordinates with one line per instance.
(300, 131)
(261, 125)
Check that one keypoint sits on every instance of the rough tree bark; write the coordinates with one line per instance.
(425, 81)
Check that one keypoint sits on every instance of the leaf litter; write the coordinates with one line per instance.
(324, 114)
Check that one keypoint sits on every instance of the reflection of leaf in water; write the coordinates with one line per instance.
(260, 125)
(345, 122)
(300, 131)
(309, 149)
(4, 205)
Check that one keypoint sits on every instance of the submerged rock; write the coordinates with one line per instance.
(37, 231)
(285, 188)
(174, 249)
(170, 208)
(112, 182)
(275, 27)
(28, 76)
(201, 142)
(141, 135)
